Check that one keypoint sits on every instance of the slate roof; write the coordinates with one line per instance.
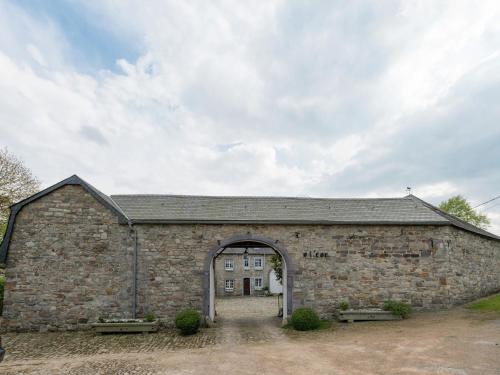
(183, 208)
(408, 210)
(132, 209)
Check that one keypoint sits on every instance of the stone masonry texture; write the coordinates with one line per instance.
(70, 262)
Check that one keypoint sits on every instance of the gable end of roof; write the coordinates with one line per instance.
(455, 221)
(73, 180)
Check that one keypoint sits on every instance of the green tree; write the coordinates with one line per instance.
(3, 228)
(16, 183)
(461, 208)
(277, 266)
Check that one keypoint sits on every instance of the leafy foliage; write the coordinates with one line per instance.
(16, 183)
(398, 308)
(277, 266)
(344, 305)
(3, 227)
(149, 317)
(323, 324)
(461, 208)
(305, 319)
(188, 321)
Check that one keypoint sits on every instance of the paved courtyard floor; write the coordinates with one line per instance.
(456, 342)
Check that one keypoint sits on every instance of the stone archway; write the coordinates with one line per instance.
(209, 272)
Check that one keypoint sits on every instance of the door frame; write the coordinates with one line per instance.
(208, 275)
(249, 286)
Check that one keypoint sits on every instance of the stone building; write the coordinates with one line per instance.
(242, 271)
(72, 254)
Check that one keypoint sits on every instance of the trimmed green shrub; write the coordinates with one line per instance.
(188, 321)
(398, 308)
(305, 319)
(344, 305)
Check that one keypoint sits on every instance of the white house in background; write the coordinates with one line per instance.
(242, 271)
(275, 286)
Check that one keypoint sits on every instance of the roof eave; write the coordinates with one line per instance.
(283, 222)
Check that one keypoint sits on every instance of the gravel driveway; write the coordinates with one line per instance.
(450, 342)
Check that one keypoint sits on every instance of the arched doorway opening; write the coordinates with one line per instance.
(246, 241)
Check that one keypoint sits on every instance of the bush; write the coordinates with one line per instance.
(150, 317)
(344, 305)
(188, 321)
(398, 308)
(305, 319)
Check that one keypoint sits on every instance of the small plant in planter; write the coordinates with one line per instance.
(188, 321)
(149, 317)
(305, 319)
(398, 308)
(344, 305)
(105, 324)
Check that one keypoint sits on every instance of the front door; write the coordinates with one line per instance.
(246, 286)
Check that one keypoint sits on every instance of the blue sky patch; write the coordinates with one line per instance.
(93, 44)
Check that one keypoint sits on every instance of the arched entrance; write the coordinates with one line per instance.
(246, 240)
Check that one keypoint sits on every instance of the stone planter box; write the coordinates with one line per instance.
(367, 314)
(125, 326)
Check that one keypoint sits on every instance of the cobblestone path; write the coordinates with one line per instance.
(449, 342)
(239, 320)
(248, 319)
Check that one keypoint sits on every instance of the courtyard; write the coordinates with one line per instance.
(249, 340)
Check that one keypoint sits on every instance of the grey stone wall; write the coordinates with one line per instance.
(70, 262)
(239, 273)
(365, 265)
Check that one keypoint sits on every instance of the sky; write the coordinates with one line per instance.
(288, 98)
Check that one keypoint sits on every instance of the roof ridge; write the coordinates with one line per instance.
(255, 197)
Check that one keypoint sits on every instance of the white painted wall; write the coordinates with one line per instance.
(274, 284)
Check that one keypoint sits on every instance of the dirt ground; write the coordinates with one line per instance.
(454, 342)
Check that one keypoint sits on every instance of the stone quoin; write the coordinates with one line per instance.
(73, 254)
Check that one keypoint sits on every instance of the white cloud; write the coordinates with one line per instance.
(260, 98)
(437, 190)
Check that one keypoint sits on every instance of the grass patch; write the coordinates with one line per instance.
(323, 324)
(486, 304)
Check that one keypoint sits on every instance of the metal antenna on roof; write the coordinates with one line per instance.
(408, 190)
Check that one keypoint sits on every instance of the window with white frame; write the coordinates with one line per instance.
(229, 285)
(246, 262)
(258, 283)
(228, 265)
(258, 263)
